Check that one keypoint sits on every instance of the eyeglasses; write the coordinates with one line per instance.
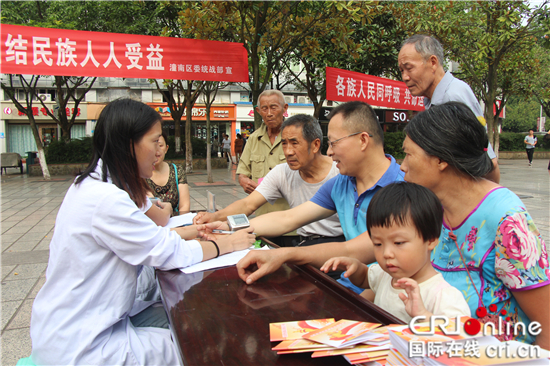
(332, 143)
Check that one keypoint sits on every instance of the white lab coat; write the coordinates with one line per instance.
(81, 314)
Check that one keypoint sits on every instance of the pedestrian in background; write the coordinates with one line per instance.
(239, 143)
(215, 146)
(530, 142)
(226, 142)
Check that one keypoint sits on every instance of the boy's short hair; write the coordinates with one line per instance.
(402, 202)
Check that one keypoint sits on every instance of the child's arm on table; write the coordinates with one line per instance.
(356, 271)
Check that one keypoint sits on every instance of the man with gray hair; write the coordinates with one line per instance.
(263, 150)
(304, 172)
(421, 65)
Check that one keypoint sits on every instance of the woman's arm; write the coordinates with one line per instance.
(535, 304)
(160, 213)
(184, 200)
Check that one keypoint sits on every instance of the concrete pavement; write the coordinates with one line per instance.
(29, 207)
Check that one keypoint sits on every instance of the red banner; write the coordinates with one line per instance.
(49, 51)
(345, 86)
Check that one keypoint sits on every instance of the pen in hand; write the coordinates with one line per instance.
(216, 231)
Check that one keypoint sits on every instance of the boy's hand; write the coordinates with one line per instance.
(347, 263)
(414, 305)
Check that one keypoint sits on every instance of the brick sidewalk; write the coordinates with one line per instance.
(30, 204)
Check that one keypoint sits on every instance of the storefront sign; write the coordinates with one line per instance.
(40, 113)
(397, 116)
(217, 113)
(344, 86)
(50, 51)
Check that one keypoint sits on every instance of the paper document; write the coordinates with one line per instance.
(181, 220)
(225, 260)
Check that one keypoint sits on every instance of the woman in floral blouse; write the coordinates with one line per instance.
(163, 182)
(496, 237)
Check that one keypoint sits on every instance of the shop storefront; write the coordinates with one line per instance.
(17, 131)
(222, 120)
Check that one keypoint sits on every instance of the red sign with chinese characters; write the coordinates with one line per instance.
(345, 86)
(44, 112)
(49, 51)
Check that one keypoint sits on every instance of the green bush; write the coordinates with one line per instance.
(393, 144)
(74, 151)
(513, 141)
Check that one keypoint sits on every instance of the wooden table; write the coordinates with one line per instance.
(218, 319)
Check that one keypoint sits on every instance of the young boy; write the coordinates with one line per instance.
(404, 222)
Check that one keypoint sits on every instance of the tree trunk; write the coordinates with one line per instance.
(66, 133)
(177, 135)
(496, 146)
(43, 164)
(188, 146)
(208, 146)
(39, 147)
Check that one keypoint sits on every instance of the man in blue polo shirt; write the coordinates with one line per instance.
(356, 144)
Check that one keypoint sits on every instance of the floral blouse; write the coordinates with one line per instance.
(169, 192)
(504, 252)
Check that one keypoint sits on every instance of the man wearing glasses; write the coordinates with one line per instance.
(356, 145)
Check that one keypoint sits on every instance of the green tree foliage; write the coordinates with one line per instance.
(490, 39)
(521, 115)
(371, 48)
(269, 30)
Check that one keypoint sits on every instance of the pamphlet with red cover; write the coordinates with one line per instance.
(285, 331)
(344, 351)
(301, 344)
(343, 333)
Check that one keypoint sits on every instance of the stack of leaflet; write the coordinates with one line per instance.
(439, 349)
(358, 342)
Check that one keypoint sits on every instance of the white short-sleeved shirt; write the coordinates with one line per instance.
(284, 182)
(439, 297)
(531, 140)
(81, 314)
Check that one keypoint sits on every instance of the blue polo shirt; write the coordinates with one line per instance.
(340, 194)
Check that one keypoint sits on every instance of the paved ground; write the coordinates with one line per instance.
(29, 207)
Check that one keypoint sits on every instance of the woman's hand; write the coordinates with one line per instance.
(165, 206)
(205, 231)
(240, 240)
(204, 217)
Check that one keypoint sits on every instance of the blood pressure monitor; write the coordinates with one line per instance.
(237, 222)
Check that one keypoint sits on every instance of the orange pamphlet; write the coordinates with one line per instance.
(356, 358)
(356, 349)
(285, 331)
(343, 333)
(300, 344)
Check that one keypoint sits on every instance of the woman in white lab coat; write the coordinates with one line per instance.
(101, 240)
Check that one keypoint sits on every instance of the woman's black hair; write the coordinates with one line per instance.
(402, 203)
(121, 123)
(165, 136)
(452, 132)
